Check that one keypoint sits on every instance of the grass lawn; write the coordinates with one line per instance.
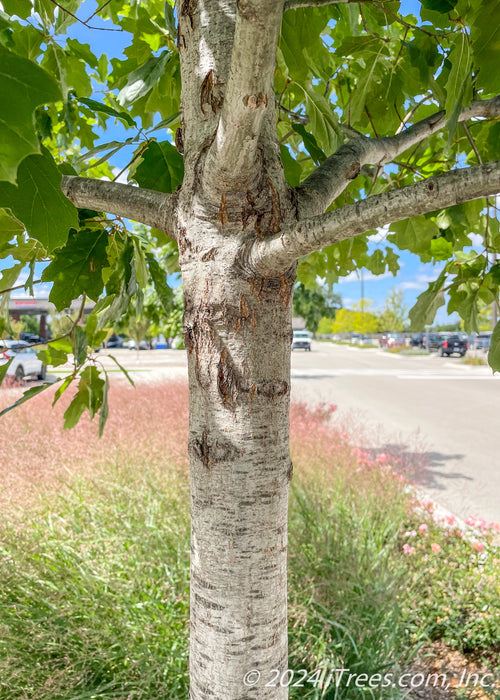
(94, 551)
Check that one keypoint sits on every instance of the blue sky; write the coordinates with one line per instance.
(413, 277)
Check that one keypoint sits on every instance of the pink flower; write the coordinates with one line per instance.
(382, 458)
(435, 547)
(450, 519)
(407, 549)
(411, 533)
(471, 520)
(481, 523)
(423, 528)
(494, 526)
(478, 546)
(458, 533)
(333, 407)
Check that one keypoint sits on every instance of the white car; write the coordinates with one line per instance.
(25, 362)
(301, 339)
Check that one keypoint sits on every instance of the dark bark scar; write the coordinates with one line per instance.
(179, 140)
(255, 101)
(243, 307)
(211, 93)
(223, 210)
(209, 255)
(352, 171)
(188, 9)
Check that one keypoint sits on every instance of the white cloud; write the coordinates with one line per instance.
(420, 282)
(381, 234)
(367, 276)
(477, 240)
(123, 176)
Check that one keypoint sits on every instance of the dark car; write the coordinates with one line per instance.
(116, 341)
(483, 341)
(418, 340)
(453, 344)
(433, 341)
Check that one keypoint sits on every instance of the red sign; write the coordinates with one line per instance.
(28, 302)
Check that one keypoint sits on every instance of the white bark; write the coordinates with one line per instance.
(237, 330)
(249, 93)
(331, 178)
(146, 206)
(276, 253)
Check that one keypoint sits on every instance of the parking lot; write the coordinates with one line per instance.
(433, 410)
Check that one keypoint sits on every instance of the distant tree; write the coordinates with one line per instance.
(30, 324)
(355, 322)
(313, 304)
(16, 327)
(395, 311)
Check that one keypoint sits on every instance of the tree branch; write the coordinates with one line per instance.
(146, 206)
(249, 93)
(270, 256)
(293, 4)
(331, 178)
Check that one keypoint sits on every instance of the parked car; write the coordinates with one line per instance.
(453, 344)
(301, 340)
(482, 341)
(433, 341)
(132, 345)
(25, 363)
(418, 340)
(116, 341)
(392, 340)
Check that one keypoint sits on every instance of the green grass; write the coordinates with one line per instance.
(94, 570)
(474, 360)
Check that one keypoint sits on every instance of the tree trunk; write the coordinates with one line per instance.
(237, 330)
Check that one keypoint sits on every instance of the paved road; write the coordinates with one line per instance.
(435, 412)
(431, 411)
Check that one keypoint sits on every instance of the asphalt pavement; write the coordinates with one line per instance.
(440, 417)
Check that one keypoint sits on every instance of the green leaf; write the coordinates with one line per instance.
(170, 20)
(442, 6)
(293, 171)
(23, 87)
(33, 391)
(4, 368)
(324, 121)
(485, 37)
(52, 356)
(310, 144)
(80, 345)
(122, 369)
(100, 107)
(414, 234)
(95, 336)
(458, 85)
(494, 351)
(424, 311)
(21, 8)
(161, 167)
(159, 277)
(39, 203)
(61, 389)
(104, 412)
(9, 277)
(142, 80)
(441, 249)
(82, 51)
(77, 268)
